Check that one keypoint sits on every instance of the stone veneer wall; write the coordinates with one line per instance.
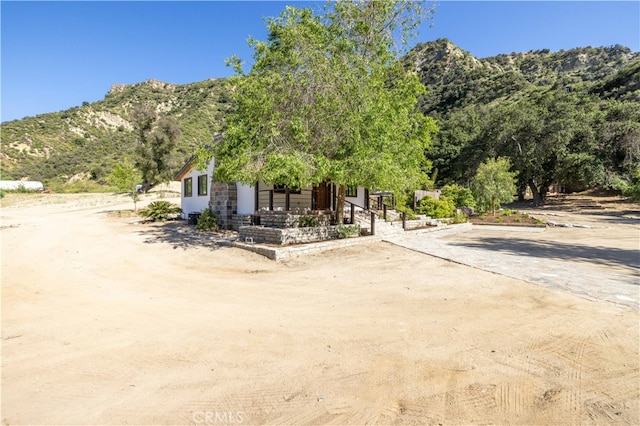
(283, 219)
(240, 220)
(224, 203)
(261, 234)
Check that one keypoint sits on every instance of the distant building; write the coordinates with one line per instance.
(30, 185)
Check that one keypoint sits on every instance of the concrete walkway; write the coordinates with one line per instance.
(532, 261)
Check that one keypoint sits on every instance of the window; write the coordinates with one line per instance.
(202, 185)
(188, 187)
(281, 189)
(352, 191)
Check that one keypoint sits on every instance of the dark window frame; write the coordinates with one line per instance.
(351, 191)
(203, 184)
(281, 189)
(187, 187)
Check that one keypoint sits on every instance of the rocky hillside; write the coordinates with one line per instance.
(455, 78)
(86, 141)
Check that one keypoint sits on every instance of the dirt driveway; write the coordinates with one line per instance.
(105, 323)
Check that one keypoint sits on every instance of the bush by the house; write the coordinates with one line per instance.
(308, 222)
(159, 211)
(207, 221)
(348, 231)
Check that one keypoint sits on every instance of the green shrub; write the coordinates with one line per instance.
(459, 217)
(159, 211)
(348, 231)
(632, 190)
(506, 212)
(437, 209)
(498, 220)
(207, 221)
(76, 187)
(308, 222)
(461, 196)
(22, 190)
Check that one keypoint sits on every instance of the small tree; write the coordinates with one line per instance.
(124, 178)
(494, 183)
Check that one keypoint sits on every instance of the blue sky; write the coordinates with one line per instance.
(55, 55)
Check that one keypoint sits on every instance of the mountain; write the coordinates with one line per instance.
(86, 141)
(455, 78)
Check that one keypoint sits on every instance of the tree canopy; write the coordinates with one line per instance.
(124, 178)
(327, 99)
(156, 145)
(494, 183)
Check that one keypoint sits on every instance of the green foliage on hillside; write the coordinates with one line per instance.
(569, 117)
(92, 138)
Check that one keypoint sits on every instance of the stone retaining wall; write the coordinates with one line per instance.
(239, 220)
(283, 219)
(420, 223)
(280, 236)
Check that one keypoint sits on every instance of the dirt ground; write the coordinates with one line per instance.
(104, 321)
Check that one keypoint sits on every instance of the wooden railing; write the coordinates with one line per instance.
(376, 203)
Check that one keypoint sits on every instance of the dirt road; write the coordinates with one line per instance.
(104, 324)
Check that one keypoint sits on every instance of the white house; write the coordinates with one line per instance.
(237, 202)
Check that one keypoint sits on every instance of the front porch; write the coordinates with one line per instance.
(320, 197)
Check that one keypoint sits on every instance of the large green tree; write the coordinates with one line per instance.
(155, 151)
(327, 99)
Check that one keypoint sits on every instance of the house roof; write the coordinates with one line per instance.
(189, 164)
(185, 169)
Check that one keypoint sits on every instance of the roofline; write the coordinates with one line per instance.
(189, 164)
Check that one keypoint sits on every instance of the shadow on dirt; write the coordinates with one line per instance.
(606, 256)
(183, 236)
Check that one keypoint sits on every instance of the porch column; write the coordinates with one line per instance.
(314, 194)
(287, 199)
(373, 223)
(333, 197)
(257, 197)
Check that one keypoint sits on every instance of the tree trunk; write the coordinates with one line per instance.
(340, 204)
(538, 199)
(522, 189)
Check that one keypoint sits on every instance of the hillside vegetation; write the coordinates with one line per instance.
(86, 141)
(570, 117)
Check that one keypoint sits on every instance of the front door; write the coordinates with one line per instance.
(323, 196)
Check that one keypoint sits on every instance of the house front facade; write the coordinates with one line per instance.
(236, 204)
